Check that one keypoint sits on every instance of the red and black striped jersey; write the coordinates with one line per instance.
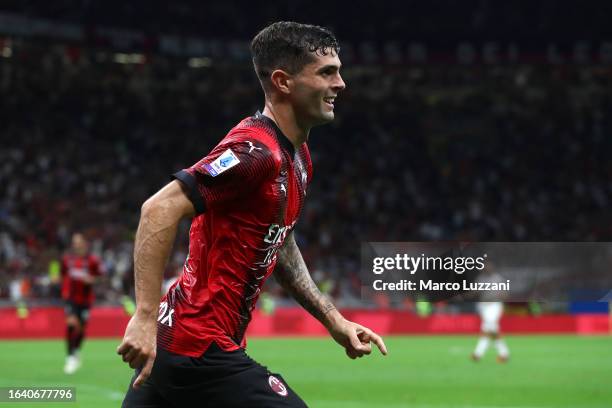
(248, 193)
(76, 274)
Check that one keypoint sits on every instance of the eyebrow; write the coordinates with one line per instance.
(329, 66)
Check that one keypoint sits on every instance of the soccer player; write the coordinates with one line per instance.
(245, 198)
(79, 271)
(490, 310)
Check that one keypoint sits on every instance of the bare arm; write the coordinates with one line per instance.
(292, 274)
(159, 220)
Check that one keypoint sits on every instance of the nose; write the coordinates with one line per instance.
(339, 83)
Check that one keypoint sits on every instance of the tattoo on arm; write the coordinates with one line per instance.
(292, 274)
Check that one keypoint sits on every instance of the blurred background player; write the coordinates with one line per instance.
(79, 271)
(490, 310)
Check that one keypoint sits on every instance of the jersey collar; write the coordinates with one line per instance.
(280, 136)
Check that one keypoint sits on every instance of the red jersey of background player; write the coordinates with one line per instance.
(77, 271)
(248, 193)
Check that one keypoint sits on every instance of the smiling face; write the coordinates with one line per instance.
(313, 90)
(299, 70)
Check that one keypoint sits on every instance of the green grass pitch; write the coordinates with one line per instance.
(419, 372)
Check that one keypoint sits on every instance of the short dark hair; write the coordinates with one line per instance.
(289, 46)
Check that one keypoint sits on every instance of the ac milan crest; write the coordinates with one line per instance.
(277, 386)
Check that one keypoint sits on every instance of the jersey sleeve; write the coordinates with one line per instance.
(235, 167)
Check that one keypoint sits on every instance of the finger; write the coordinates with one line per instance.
(363, 342)
(364, 339)
(144, 373)
(123, 347)
(130, 355)
(355, 342)
(139, 361)
(368, 335)
(356, 353)
(364, 336)
(142, 377)
(350, 353)
(376, 339)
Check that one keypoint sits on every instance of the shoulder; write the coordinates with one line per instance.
(240, 150)
(252, 140)
(257, 131)
(248, 146)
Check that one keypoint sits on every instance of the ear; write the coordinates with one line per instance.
(281, 80)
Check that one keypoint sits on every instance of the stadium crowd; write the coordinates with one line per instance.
(500, 153)
(438, 20)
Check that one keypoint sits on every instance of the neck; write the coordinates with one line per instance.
(284, 117)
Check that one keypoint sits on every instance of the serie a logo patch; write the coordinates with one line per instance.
(226, 161)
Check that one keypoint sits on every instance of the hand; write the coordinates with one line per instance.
(138, 347)
(356, 339)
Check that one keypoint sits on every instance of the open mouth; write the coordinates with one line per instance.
(329, 100)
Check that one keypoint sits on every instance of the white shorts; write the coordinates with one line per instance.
(490, 313)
